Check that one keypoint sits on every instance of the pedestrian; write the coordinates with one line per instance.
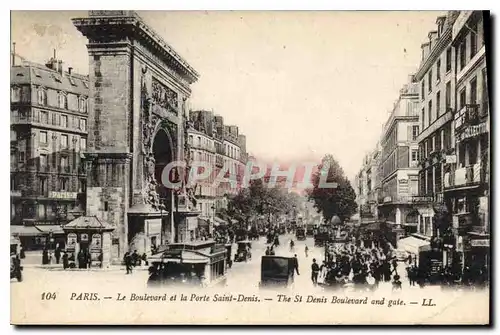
(22, 254)
(57, 254)
(296, 264)
(82, 262)
(135, 258)
(306, 251)
(314, 272)
(45, 257)
(268, 251)
(128, 262)
(65, 260)
(396, 284)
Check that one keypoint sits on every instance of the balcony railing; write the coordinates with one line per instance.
(470, 175)
(468, 115)
(65, 169)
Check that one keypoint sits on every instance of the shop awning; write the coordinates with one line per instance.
(55, 229)
(25, 231)
(413, 245)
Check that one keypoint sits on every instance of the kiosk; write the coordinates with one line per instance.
(87, 235)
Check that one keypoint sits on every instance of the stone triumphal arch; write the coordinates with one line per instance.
(139, 88)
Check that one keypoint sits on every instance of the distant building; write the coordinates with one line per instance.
(49, 110)
(399, 162)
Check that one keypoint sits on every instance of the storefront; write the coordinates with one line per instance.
(477, 252)
(39, 237)
(88, 240)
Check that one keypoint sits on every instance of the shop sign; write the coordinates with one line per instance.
(63, 195)
(387, 199)
(154, 227)
(473, 131)
(72, 238)
(84, 237)
(96, 241)
(451, 159)
(480, 243)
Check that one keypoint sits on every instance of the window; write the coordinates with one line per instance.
(106, 206)
(438, 70)
(422, 93)
(43, 137)
(485, 99)
(64, 161)
(41, 97)
(63, 184)
(44, 117)
(13, 183)
(429, 112)
(15, 94)
(83, 125)
(82, 185)
(438, 104)
(473, 39)
(473, 91)
(22, 157)
(62, 101)
(83, 105)
(463, 55)
(64, 121)
(42, 184)
(83, 144)
(448, 60)
(463, 98)
(43, 160)
(415, 132)
(448, 95)
(429, 80)
(64, 141)
(423, 118)
(190, 139)
(414, 155)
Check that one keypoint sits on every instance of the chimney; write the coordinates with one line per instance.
(432, 38)
(411, 78)
(60, 67)
(425, 50)
(70, 69)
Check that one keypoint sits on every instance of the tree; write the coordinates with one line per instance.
(258, 199)
(340, 201)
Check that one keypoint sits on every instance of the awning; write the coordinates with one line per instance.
(25, 231)
(55, 229)
(413, 245)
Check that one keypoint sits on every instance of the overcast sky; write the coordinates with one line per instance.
(298, 84)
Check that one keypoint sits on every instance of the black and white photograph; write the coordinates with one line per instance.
(250, 167)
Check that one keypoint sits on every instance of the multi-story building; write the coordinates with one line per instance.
(466, 178)
(232, 159)
(437, 86)
(398, 160)
(48, 135)
(365, 182)
(202, 144)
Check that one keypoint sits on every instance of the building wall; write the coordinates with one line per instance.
(49, 112)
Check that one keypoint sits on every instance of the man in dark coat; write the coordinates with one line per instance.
(314, 272)
(296, 264)
(57, 254)
(65, 260)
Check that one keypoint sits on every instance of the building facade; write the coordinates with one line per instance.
(437, 86)
(467, 176)
(366, 191)
(49, 127)
(398, 160)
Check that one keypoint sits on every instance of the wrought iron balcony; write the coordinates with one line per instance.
(468, 115)
(467, 176)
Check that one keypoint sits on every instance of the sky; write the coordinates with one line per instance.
(298, 84)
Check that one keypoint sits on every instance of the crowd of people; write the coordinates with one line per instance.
(363, 268)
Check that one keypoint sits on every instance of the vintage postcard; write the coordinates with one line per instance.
(250, 167)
